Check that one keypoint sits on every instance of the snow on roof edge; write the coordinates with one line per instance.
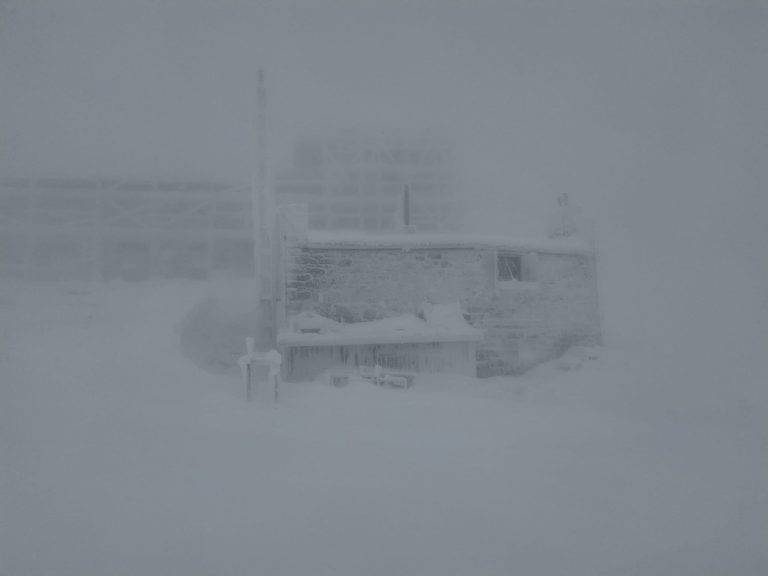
(359, 240)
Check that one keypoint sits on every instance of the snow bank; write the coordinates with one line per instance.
(213, 332)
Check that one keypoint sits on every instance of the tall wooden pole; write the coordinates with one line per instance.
(262, 214)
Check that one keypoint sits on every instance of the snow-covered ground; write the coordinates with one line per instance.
(119, 455)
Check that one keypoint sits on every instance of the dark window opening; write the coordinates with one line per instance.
(509, 267)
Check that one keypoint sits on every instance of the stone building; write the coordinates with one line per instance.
(506, 304)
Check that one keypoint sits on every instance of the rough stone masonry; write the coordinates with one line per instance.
(525, 321)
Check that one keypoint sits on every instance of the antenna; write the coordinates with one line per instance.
(406, 206)
(262, 207)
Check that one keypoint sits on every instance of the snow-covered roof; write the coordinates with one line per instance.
(442, 323)
(359, 240)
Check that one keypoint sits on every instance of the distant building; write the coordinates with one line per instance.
(75, 228)
(355, 181)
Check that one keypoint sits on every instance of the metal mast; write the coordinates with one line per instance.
(263, 217)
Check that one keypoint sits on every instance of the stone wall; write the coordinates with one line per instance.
(524, 323)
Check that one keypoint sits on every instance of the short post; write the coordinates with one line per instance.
(275, 360)
(260, 371)
(250, 345)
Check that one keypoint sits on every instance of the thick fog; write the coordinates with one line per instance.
(651, 116)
